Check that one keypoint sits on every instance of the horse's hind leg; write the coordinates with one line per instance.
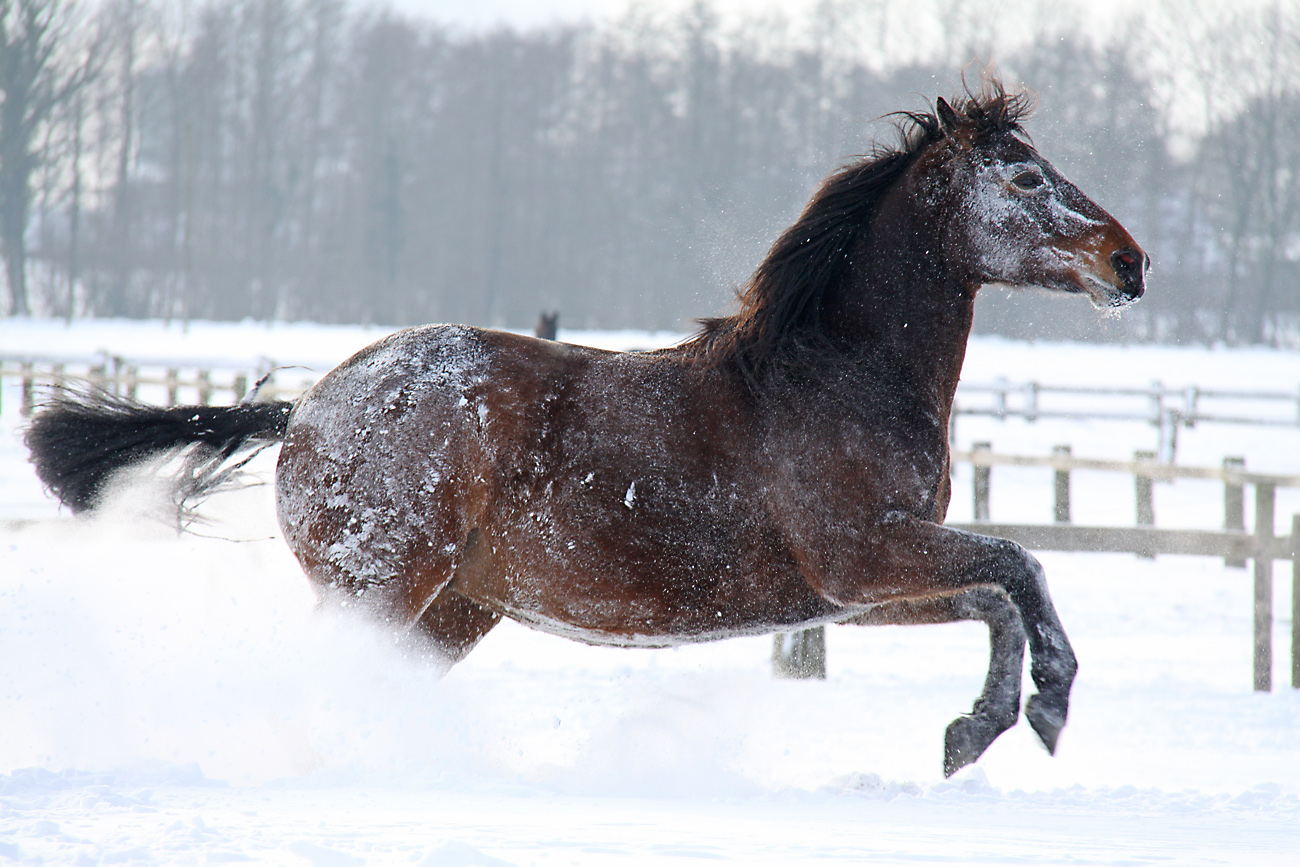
(998, 706)
(452, 625)
(445, 628)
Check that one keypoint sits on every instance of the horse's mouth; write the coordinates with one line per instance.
(1106, 296)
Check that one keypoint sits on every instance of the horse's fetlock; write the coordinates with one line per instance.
(1054, 673)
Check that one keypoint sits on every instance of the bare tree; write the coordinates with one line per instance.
(304, 158)
(33, 83)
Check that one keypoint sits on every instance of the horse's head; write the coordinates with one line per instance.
(1015, 219)
(963, 199)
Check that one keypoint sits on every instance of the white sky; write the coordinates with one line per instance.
(485, 13)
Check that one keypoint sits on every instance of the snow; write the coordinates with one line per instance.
(180, 700)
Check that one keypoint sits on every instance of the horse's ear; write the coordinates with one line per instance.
(947, 117)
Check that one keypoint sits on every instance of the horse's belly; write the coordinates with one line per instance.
(661, 595)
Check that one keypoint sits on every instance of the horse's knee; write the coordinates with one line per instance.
(987, 602)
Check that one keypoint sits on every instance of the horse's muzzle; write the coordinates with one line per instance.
(1131, 265)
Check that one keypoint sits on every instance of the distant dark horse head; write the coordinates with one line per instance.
(548, 325)
(786, 467)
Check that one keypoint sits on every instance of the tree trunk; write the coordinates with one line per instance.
(15, 202)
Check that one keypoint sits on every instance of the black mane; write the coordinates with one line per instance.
(781, 303)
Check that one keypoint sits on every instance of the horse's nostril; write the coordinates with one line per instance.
(1128, 265)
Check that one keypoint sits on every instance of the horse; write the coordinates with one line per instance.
(786, 466)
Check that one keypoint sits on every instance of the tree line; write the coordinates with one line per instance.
(302, 159)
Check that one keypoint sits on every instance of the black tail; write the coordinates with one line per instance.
(78, 440)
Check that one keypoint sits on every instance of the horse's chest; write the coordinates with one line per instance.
(857, 473)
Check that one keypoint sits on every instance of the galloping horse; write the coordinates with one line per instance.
(787, 466)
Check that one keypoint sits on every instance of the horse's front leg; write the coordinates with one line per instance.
(903, 557)
(998, 706)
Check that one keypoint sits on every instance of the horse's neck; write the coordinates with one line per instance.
(906, 308)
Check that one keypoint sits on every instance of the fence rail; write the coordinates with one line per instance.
(202, 381)
(1166, 408)
(1144, 541)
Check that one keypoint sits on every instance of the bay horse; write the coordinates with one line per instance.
(785, 467)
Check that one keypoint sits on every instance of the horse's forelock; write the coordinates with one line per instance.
(992, 110)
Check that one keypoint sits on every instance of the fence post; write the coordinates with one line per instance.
(1062, 486)
(1144, 487)
(132, 382)
(173, 386)
(1265, 500)
(982, 475)
(241, 386)
(29, 388)
(205, 387)
(98, 375)
(1295, 601)
(116, 380)
(1174, 421)
(800, 655)
(57, 379)
(1234, 505)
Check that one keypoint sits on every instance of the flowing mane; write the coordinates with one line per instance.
(781, 304)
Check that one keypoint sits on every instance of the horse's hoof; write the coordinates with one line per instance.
(965, 741)
(1047, 717)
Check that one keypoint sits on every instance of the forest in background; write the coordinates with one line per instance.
(312, 160)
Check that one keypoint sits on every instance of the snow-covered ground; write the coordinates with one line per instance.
(179, 700)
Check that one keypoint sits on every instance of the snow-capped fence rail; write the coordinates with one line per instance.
(1168, 409)
(182, 380)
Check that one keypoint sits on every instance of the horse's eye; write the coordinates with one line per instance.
(1028, 180)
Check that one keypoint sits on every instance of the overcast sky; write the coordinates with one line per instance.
(485, 13)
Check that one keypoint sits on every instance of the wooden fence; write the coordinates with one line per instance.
(1165, 408)
(199, 381)
(1168, 410)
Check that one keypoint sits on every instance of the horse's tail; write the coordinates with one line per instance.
(79, 439)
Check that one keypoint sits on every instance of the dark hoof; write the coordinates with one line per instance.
(966, 740)
(1047, 716)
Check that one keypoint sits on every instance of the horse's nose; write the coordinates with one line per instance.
(1130, 265)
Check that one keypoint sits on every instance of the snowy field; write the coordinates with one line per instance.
(179, 700)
